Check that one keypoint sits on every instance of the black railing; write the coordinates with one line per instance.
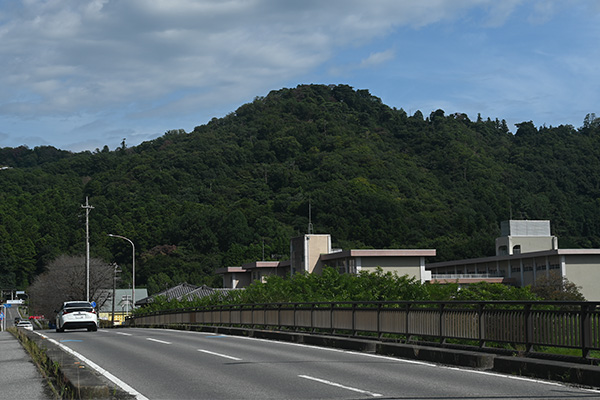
(527, 324)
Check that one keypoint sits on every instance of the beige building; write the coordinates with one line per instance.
(310, 253)
(525, 251)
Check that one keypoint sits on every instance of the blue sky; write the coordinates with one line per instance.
(81, 74)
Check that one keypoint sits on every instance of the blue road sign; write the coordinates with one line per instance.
(94, 304)
(7, 305)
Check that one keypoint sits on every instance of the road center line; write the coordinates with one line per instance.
(340, 386)
(158, 341)
(123, 333)
(220, 355)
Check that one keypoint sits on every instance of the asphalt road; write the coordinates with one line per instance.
(170, 364)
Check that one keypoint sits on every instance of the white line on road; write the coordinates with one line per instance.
(158, 341)
(220, 355)
(312, 378)
(99, 369)
(123, 333)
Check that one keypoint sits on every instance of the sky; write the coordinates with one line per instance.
(82, 74)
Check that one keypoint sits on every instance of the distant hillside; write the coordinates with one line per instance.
(374, 176)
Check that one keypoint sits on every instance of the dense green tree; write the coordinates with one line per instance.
(374, 176)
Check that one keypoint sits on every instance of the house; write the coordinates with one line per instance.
(311, 253)
(525, 251)
(122, 304)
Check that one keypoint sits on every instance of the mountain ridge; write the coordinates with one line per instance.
(374, 176)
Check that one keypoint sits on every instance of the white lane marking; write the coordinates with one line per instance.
(157, 340)
(123, 333)
(99, 369)
(423, 363)
(312, 378)
(220, 355)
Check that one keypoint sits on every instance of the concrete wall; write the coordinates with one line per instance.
(305, 252)
(401, 265)
(528, 244)
(584, 271)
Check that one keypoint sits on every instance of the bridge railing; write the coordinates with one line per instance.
(542, 323)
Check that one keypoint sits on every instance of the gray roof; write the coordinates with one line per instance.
(176, 292)
(204, 291)
(183, 291)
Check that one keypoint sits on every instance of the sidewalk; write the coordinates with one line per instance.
(19, 377)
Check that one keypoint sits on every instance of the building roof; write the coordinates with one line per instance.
(380, 253)
(542, 253)
(204, 291)
(183, 291)
(176, 292)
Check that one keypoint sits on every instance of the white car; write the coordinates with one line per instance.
(25, 324)
(76, 315)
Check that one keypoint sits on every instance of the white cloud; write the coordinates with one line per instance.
(87, 55)
(141, 59)
(377, 58)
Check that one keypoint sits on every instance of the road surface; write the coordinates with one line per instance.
(171, 364)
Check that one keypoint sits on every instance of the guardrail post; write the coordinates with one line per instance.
(312, 317)
(331, 321)
(586, 329)
(279, 316)
(528, 328)
(407, 330)
(353, 319)
(480, 323)
(442, 326)
(379, 333)
(295, 321)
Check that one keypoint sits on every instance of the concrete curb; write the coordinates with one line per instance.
(580, 374)
(469, 359)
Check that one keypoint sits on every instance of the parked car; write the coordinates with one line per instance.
(76, 315)
(25, 325)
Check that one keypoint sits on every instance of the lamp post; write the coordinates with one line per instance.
(133, 272)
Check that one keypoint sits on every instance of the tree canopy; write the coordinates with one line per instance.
(240, 186)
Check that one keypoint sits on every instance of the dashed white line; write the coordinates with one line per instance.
(220, 355)
(326, 382)
(123, 333)
(158, 341)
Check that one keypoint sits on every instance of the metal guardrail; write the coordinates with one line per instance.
(542, 323)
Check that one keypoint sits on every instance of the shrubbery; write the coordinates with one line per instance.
(333, 286)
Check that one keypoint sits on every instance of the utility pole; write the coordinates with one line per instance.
(87, 246)
(116, 269)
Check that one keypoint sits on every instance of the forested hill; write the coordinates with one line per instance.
(375, 178)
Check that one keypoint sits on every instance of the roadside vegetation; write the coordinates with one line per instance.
(331, 286)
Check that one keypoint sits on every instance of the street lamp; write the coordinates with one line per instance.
(133, 274)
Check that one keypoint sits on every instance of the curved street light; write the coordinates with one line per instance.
(133, 273)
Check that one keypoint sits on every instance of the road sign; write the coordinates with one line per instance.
(1, 316)
(7, 305)
(94, 304)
